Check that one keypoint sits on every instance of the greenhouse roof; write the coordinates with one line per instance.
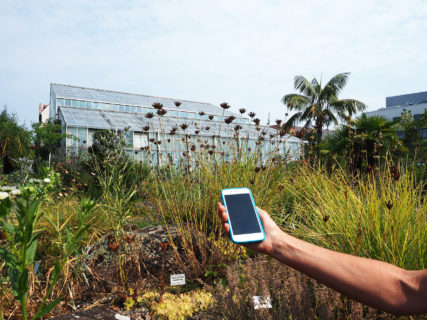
(107, 96)
(99, 119)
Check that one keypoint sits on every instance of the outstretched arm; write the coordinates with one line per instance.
(374, 283)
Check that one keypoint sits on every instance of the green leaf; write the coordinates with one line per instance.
(46, 309)
(31, 251)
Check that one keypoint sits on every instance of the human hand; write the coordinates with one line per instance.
(272, 231)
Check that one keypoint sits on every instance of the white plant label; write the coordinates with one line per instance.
(261, 302)
(177, 279)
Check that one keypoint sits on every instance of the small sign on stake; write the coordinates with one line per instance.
(177, 279)
(261, 302)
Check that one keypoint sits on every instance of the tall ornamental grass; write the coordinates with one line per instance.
(380, 216)
(188, 200)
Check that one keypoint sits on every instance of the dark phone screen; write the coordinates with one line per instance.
(241, 214)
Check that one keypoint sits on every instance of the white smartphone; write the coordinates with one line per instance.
(243, 218)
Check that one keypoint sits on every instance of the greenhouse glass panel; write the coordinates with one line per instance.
(68, 102)
(140, 140)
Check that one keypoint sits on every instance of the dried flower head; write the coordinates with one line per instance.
(210, 152)
(146, 128)
(169, 140)
(229, 119)
(224, 105)
(257, 121)
(252, 114)
(151, 140)
(177, 103)
(196, 132)
(237, 127)
(149, 115)
(210, 117)
(395, 172)
(389, 205)
(172, 132)
(161, 112)
(193, 148)
(184, 126)
(272, 136)
(207, 128)
(278, 122)
(325, 218)
(264, 132)
(157, 105)
(242, 110)
(202, 113)
(257, 169)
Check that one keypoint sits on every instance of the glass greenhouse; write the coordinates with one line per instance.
(186, 125)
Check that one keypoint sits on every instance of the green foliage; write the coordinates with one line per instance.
(380, 216)
(47, 139)
(14, 141)
(20, 212)
(362, 143)
(318, 106)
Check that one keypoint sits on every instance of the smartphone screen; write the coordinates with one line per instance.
(242, 214)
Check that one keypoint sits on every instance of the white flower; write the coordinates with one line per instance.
(3, 195)
(46, 180)
(7, 188)
(15, 192)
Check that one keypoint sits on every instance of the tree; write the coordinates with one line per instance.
(363, 142)
(47, 138)
(14, 141)
(318, 106)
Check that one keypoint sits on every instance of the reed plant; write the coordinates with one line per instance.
(380, 216)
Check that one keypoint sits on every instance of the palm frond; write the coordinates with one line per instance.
(292, 120)
(295, 101)
(334, 86)
(303, 85)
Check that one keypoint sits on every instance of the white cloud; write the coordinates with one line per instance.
(244, 52)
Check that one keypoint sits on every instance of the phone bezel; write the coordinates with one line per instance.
(246, 237)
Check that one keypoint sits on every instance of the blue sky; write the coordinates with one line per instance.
(243, 52)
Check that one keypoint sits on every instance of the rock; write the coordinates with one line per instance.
(98, 313)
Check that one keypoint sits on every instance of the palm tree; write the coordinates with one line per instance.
(318, 106)
(364, 141)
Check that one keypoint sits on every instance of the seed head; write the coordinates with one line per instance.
(157, 105)
(149, 115)
(210, 117)
(252, 114)
(225, 105)
(202, 113)
(184, 126)
(389, 205)
(146, 128)
(242, 110)
(177, 103)
(207, 128)
(161, 112)
(257, 121)
(229, 119)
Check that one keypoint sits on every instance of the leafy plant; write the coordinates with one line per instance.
(22, 239)
(318, 106)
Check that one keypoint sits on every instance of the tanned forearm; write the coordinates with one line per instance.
(374, 283)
